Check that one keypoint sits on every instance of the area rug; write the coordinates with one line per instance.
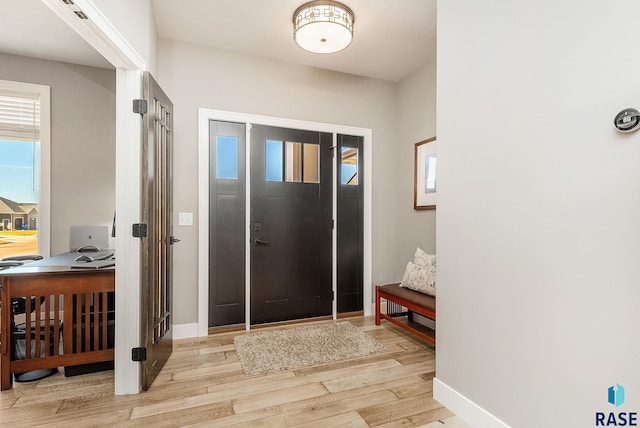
(292, 348)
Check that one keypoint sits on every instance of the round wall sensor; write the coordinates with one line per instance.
(627, 120)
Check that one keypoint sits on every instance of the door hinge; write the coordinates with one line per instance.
(333, 224)
(139, 354)
(333, 296)
(140, 106)
(139, 230)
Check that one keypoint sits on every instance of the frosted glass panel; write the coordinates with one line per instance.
(311, 164)
(293, 170)
(274, 161)
(227, 157)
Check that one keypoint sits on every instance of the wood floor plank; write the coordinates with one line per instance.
(431, 416)
(318, 413)
(397, 410)
(259, 401)
(328, 373)
(345, 420)
(411, 390)
(363, 379)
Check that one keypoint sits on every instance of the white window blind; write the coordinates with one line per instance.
(19, 116)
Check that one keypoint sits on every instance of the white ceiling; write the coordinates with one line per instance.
(392, 38)
(29, 28)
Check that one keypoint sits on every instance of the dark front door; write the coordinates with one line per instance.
(156, 282)
(290, 224)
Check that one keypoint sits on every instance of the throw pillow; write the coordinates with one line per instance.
(422, 258)
(420, 278)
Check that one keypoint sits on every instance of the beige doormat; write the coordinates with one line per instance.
(292, 348)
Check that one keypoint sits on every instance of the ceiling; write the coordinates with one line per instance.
(392, 39)
(29, 28)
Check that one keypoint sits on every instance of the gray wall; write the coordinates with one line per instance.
(195, 76)
(416, 106)
(538, 228)
(82, 141)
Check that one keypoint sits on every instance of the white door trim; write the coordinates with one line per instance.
(204, 116)
(106, 40)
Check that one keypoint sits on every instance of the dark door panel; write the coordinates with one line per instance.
(350, 252)
(290, 225)
(226, 223)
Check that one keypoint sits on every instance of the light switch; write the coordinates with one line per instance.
(185, 219)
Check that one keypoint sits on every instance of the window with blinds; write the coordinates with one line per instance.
(19, 116)
(22, 216)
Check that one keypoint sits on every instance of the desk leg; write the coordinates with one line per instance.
(7, 339)
(5, 382)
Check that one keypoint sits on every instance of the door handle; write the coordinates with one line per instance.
(258, 241)
(173, 240)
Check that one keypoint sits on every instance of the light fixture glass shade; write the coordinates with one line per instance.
(323, 26)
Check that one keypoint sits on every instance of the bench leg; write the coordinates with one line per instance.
(377, 305)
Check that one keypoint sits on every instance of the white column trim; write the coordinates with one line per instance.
(203, 223)
(128, 206)
(204, 116)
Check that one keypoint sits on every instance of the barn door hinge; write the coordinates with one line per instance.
(140, 106)
(139, 354)
(139, 230)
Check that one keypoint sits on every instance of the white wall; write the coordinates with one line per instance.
(82, 141)
(195, 76)
(136, 22)
(416, 107)
(538, 226)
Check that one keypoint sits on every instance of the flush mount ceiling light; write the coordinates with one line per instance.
(323, 26)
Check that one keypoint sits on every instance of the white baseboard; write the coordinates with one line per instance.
(464, 408)
(185, 331)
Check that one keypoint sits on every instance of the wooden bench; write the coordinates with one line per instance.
(414, 301)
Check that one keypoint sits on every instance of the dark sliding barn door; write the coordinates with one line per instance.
(290, 224)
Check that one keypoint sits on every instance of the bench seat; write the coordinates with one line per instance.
(414, 301)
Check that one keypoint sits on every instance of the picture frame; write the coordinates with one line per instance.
(424, 175)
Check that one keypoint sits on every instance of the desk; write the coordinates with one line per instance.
(75, 299)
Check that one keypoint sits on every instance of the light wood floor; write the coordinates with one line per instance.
(203, 385)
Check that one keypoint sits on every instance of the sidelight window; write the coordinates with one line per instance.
(349, 166)
(227, 157)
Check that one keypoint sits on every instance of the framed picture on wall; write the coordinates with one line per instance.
(424, 172)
